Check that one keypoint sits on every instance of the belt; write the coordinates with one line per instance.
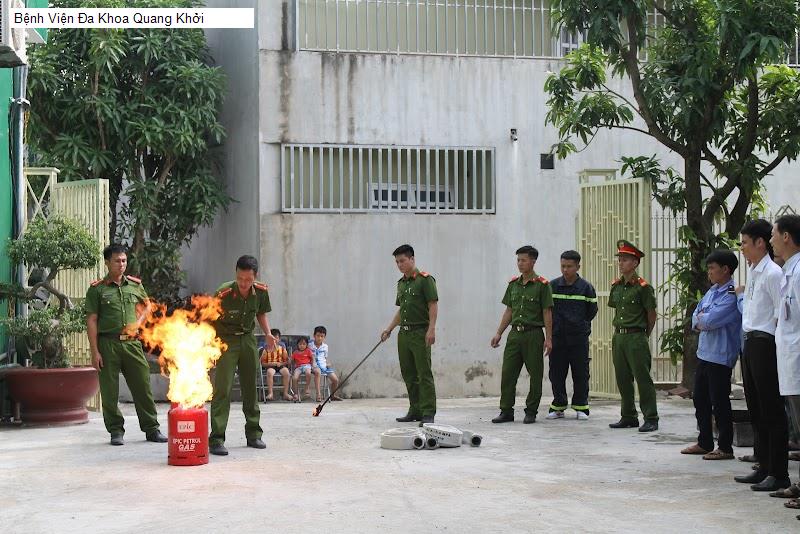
(409, 327)
(524, 327)
(629, 330)
(117, 337)
(758, 334)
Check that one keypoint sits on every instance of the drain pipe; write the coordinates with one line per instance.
(19, 105)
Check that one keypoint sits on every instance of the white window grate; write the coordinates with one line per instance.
(486, 28)
(322, 178)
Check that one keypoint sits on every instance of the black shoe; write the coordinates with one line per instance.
(504, 417)
(753, 478)
(625, 423)
(408, 418)
(426, 419)
(156, 436)
(529, 418)
(116, 439)
(771, 484)
(218, 449)
(256, 443)
(649, 426)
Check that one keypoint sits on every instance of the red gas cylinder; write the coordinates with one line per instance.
(188, 435)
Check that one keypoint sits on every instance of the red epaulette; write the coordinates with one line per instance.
(423, 273)
(642, 282)
(543, 280)
(224, 292)
(97, 282)
(133, 279)
(260, 285)
(514, 279)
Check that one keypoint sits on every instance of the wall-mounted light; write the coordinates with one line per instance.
(514, 134)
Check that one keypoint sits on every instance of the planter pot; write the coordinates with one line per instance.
(52, 396)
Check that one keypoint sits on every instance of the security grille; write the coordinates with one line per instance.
(368, 178)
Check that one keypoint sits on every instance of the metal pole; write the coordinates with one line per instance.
(19, 105)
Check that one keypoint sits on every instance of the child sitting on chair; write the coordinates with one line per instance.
(304, 363)
(320, 350)
(276, 361)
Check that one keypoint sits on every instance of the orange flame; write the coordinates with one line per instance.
(189, 347)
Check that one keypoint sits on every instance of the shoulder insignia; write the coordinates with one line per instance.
(514, 279)
(133, 279)
(642, 282)
(423, 273)
(97, 282)
(260, 285)
(731, 290)
(615, 281)
(543, 280)
(224, 292)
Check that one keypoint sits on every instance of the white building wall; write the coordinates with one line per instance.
(337, 270)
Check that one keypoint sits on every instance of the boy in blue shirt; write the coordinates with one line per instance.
(719, 322)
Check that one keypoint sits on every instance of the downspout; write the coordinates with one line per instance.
(19, 105)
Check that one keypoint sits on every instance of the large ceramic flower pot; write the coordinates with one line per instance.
(52, 396)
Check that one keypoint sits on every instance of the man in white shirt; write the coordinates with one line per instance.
(759, 361)
(786, 242)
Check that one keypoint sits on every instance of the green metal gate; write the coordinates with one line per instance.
(610, 209)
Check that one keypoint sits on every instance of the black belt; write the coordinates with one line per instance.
(525, 327)
(758, 334)
(409, 327)
(629, 330)
(117, 337)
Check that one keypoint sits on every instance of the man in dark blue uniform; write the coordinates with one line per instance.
(574, 307)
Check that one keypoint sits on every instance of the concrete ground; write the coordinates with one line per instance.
(328, 474)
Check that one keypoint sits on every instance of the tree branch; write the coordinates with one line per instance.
(631, 58)
(624, 99)
(749, 142)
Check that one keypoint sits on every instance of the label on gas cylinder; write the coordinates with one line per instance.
(186, 444)
(185, 426)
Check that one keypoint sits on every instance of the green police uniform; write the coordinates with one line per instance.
(115, 307)
(525, 343)
(235, 328)
(630, 344)
(413, 295)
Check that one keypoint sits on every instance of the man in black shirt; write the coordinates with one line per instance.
(574, 307)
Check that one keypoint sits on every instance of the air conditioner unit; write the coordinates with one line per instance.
(12, 40)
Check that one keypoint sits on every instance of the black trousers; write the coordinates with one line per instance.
(566, 356)
(793, 402)
(712, 389)
(764, 402)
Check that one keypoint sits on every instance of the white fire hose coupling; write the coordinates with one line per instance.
(471, 439)
(430, 436)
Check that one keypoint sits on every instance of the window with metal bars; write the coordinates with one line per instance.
(368, 178)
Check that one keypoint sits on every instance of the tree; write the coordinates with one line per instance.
(711, 89)
(138, 107)
(48, 247)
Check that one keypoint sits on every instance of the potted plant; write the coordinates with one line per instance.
(50, 391)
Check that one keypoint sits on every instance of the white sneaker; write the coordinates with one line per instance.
(555, 415)
(582, 416)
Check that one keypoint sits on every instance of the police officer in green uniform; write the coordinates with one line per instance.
(529, 307)
(419, 306)
(111, 311)
(243, 302)
(634, 303)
